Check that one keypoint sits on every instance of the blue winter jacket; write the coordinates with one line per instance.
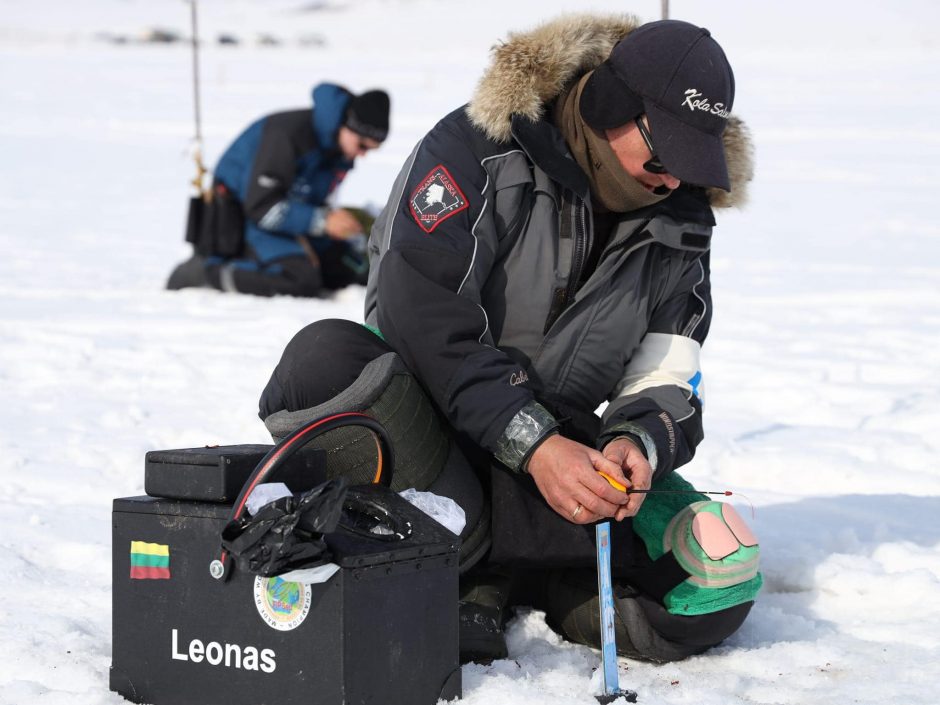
(282, 168)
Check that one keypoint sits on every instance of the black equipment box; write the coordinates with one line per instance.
(217, 473)
(382, 629)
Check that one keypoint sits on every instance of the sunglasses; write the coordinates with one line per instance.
(367, 145)
(652, 165)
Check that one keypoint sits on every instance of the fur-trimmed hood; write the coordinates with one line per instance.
(532, 68)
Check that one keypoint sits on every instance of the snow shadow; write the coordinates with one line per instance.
(851, 523)
(820, 552)
(798, 537)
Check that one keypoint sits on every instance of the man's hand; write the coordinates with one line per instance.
(341, 224)
(566, 474)
(635, 468)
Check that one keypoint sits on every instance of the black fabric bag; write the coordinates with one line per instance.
(194, 219)
(216, 227)
(288, 533)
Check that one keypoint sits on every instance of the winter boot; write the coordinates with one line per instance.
(643, 628)
(483, 610)
(191, 273)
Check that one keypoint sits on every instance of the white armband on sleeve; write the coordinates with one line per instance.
(664, 359)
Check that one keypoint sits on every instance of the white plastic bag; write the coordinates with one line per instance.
(265, 493)
(443, 510)
(310, 576)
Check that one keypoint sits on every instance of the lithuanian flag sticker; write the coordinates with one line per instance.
(150, 561)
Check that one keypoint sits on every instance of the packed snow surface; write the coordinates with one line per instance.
(822, 365)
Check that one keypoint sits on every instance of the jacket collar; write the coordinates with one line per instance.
(543, 144)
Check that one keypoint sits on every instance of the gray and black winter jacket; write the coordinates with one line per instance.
(479, 275)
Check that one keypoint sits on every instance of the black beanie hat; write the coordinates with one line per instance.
(367, 114)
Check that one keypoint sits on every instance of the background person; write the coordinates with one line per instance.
(272, 230)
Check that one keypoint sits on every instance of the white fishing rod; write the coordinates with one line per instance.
(199, 179)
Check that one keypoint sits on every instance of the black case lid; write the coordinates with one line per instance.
(217, 473)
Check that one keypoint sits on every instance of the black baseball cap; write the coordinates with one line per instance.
(679, 76)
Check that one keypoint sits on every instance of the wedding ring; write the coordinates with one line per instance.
(577, 510)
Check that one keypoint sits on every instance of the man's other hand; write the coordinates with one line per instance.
(636, 469)
(341, 224)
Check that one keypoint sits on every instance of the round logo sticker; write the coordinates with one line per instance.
(281, 604)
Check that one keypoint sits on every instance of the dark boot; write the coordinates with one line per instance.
(191, 273)
(483, 610)
(572, 609)
(642, 624)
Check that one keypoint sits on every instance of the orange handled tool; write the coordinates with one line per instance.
(613, 483)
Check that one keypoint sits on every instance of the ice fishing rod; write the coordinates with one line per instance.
(724, 493)
(629, 490)
(199, 179)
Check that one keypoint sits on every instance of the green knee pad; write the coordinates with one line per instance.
(710, 542)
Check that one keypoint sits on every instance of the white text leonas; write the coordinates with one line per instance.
(228, 655)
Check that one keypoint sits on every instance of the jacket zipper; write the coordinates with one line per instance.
(562, 297)
(580, 250)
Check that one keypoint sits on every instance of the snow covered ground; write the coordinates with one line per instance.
(823, 363)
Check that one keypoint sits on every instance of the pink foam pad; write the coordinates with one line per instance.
(713, 536)
(738, 526)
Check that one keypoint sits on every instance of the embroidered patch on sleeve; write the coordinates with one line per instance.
(436, 199)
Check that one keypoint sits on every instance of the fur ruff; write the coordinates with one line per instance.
(532, 68)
